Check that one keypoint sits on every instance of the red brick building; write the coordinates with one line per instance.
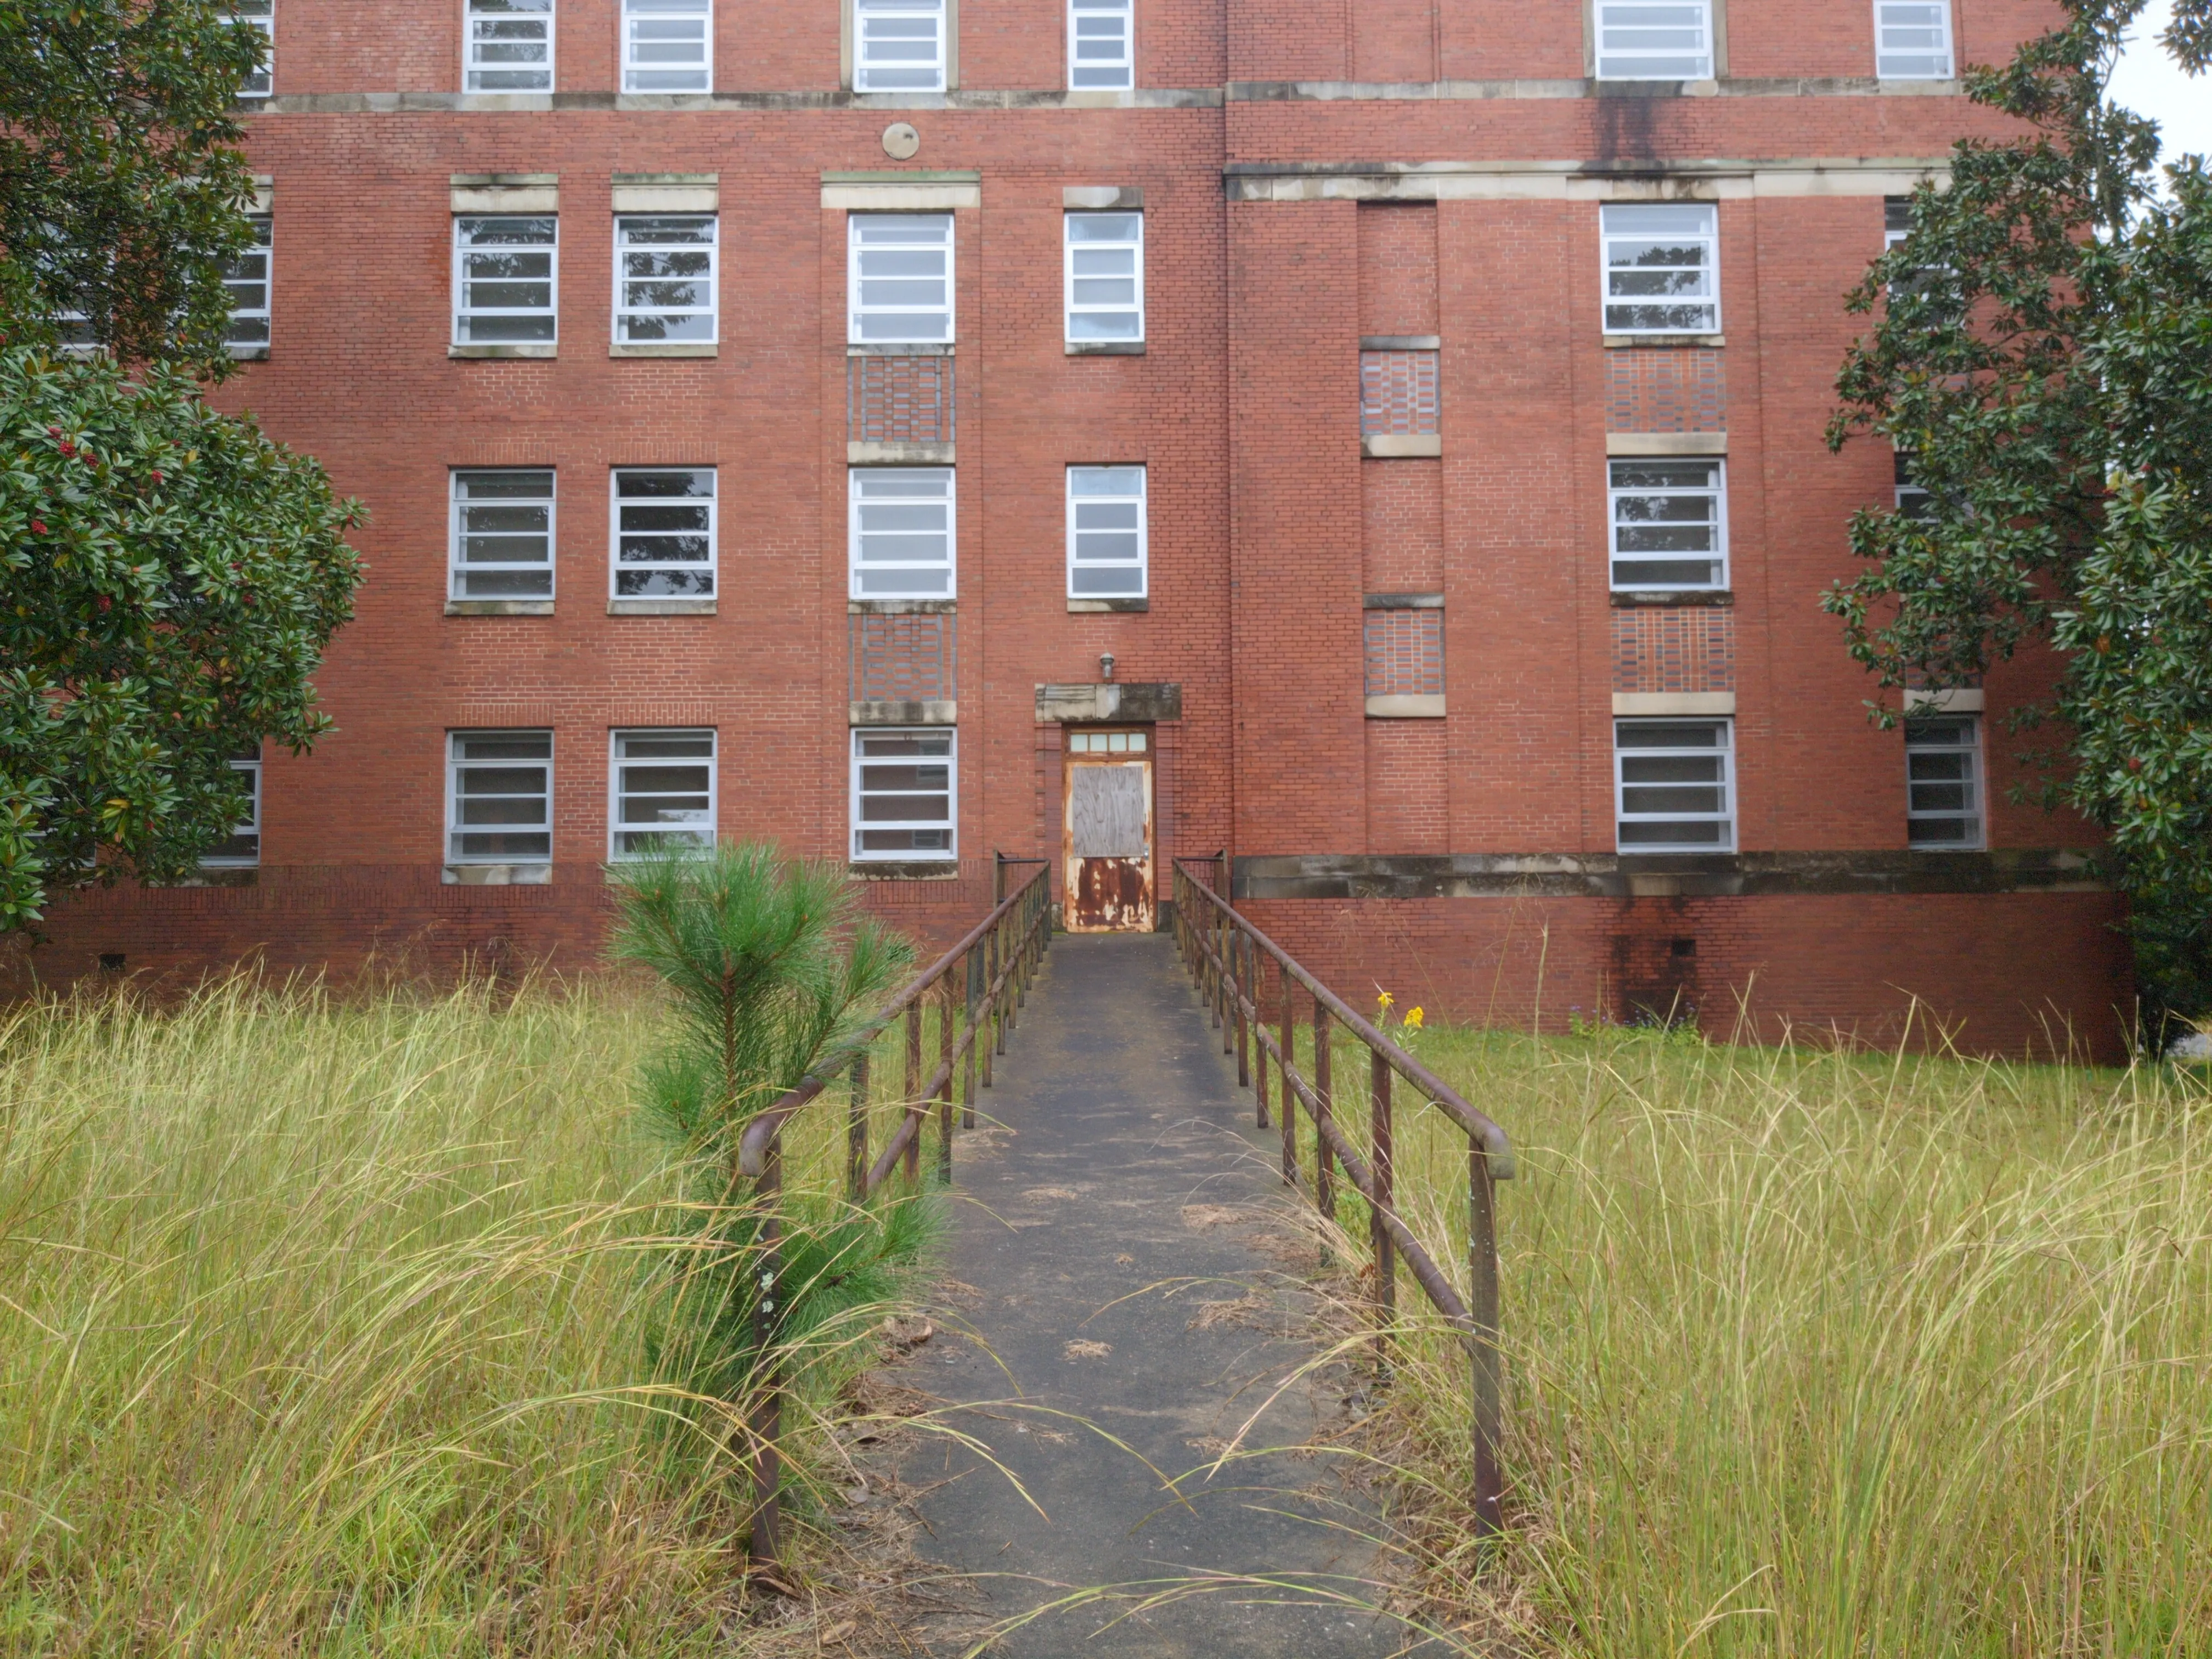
(1381, 441)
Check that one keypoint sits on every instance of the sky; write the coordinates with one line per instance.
(2149, 82)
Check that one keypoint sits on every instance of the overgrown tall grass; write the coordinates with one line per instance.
(1816, 1354)
(320, 1332)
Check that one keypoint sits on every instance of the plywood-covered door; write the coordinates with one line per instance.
(1107, 832)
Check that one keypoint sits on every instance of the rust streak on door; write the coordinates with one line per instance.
(1107, 833)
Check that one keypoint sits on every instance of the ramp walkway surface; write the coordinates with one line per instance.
(1125, 1266)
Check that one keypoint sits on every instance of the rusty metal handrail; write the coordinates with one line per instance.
(1226, 956)
(1001, 954)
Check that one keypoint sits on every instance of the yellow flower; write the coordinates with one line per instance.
(1383, 1000)
(1413, 1019)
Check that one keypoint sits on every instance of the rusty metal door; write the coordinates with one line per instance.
(1107, 832)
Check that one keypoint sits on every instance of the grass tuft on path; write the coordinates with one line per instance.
(1822, 1354)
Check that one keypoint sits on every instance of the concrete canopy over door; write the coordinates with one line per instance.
(1106, 831)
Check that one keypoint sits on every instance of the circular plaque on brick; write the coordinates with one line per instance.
(901, 140)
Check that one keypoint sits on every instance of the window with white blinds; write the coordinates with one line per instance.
(1102, 48)
(1674, 785)
(662, 533)
(1944, 781)
(247, 278)
(1669, 522)
(260, 15)
(1655, 40)
(898, 46)
(1912, 39)
(506, 275)
(1105, 276)
(661, 786)
(501, 534)
(510, 46)
(499, 797)
(668, 46)
(1661, 267)
(898, 278)
(664, 278)
(1105, 533)
(901, 530)
(904, 797)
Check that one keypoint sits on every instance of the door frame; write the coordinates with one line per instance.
(1076, 754)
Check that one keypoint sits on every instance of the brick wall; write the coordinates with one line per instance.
(1268, 527)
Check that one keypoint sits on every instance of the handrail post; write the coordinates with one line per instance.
(1001, 960)
(1227, 984)
(856, 1131)
(946, 1021)
(767, 1416)
(1258, 1046)
(1289, 1114)
(1482, 1307)
(912, 1157)
(1379, 1158)
(1242, 960)
(1324, 1160)
(998, 880)
(974, 1060)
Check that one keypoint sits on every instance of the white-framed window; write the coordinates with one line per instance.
(901, 531)
(898, 278)
(500, 535)
(1674, 785)
(664, 278)
(248, 278)
(1106, 548)
(1105, 276)
(505, 278)
(241, 850)
(660, 788)
(1668, 521)
(899, 46)
(1102, 44)
(668, 46)
(499, 797)
(905, 792)
(1912, 39)
(1912, 499)
(257, 14)
(510, 46)
(1943, 781)
(662, 533)
(1661, 267)
(1655, 40)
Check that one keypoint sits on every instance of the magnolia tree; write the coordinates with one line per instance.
(168, 577)
(2041, 362)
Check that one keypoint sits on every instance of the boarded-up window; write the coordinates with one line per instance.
(1106, 811)
(1397, 394)
(1405, 653)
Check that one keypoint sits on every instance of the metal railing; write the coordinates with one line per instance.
(996, 960)
(1228, 960)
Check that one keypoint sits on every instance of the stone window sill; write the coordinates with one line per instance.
(499, 607)
(1615, 342)
(1105, 348)
(248, 354)
(905, 348)
(1095, 606)
(883, 454)
(664, 349)
(1638, 598)
(903, 711)
(518, 350)
(1428, 706)
(901, 607)
(498, 875)
(660, 607)
(905, 869)
(1400, 445)
(1401, 343)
